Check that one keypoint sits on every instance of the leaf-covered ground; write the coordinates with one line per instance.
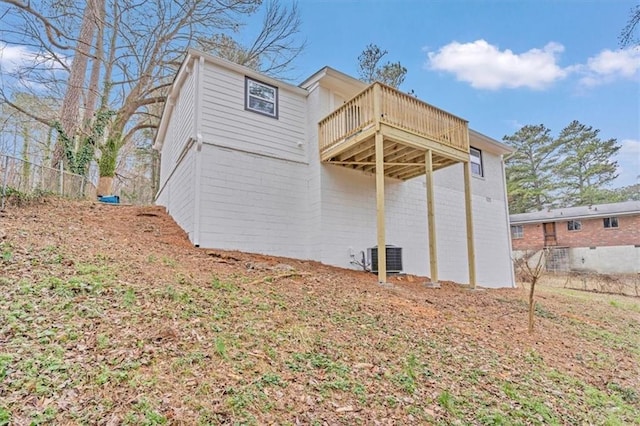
(109, 316)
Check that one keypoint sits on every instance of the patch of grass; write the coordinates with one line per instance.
(6, 252)
(143, 413)
(218, 284)
(447, 401)
(315, 360)
(271, 379)
(102, 341)
(5, 416)
(167, 261)
(129, 297)
(220, 348)
(44, 417)
(5, 361)
(628, 395)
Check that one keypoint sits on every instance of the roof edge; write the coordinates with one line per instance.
(500, 147)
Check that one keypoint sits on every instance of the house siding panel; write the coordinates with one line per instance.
(225, 121)
(259, 207)
(180, 130)
(178, 194)
(349, 226)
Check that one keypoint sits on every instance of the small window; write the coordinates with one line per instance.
(517, 231)
(476, 162)
(610, 222)
(261, 97)
(574, 225)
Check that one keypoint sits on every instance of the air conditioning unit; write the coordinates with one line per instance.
(394, 259)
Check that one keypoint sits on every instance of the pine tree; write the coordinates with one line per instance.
(530, 179)
(370, 69)
(586, 165)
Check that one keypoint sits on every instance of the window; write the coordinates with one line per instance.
(260, 97)
(517, 231)
(476, 161)
(610, 222)
(574, 225)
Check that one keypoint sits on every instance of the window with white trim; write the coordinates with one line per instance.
(574, 225)
(475, 156)
(260, 97)
(610, 222)
(517, 232)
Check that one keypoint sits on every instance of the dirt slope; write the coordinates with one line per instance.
(110, 316)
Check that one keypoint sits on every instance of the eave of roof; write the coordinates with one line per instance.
(626, 208)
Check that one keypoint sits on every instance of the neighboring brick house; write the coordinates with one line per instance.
(602, 238)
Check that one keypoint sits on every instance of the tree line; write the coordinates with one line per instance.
(572, 169)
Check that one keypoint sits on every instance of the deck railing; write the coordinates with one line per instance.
(396, 109)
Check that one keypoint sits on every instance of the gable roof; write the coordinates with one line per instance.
(582, 212)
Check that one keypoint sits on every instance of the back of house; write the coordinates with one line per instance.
(242, 169)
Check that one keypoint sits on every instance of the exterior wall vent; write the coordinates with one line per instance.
(394, 259)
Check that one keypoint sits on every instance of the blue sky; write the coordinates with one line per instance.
(498, 64)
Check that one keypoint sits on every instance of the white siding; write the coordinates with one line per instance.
(225, 122)
(177, 195)
(349, 225)
(253, 203)
(263, 189)
(349, 218)
(180, 129)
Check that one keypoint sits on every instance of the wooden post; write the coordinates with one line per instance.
(468, 206)
(382, 248)
(377, 99)
(431, 217)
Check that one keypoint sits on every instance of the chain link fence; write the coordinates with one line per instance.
(25, 179)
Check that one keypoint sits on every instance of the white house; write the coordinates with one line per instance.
(329, 168)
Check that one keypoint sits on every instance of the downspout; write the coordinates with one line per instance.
(199, 140)
(503, 159)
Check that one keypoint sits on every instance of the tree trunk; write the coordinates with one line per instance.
(532, 304)
(105, 185)
(71, 101)
(98, 15)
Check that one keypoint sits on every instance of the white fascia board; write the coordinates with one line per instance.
(241, 69)
(167, 111)
(485, 142)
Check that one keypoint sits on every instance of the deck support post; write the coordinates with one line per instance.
(382, 248)
(431, 217)
(468, 210)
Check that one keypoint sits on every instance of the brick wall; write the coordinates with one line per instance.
(592, 234)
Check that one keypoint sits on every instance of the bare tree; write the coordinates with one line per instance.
(124, 57)
(628, 34)
(274, 47)
(531, 267)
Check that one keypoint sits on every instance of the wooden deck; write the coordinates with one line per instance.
(408, 126)
(389, 133)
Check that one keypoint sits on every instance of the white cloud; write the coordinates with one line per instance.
(485, 66)
(629, 162)
(611, 65)
(13, 58)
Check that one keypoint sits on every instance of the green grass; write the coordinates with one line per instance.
(170, 338)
